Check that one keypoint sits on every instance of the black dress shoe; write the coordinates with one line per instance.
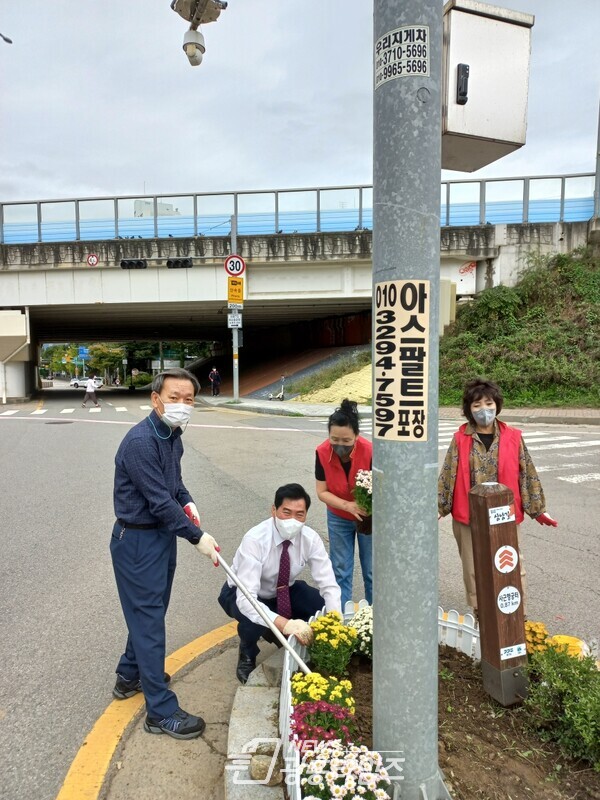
(245, 666)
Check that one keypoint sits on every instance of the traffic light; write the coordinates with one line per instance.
(179, 263)
(134, 263)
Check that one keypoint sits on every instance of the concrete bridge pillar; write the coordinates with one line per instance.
(16, 371)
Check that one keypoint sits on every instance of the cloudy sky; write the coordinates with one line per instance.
(97, 98)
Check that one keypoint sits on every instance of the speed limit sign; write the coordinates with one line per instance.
(235, 266)
(92, 260)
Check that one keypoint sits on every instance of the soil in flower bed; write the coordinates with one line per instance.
(486, 751)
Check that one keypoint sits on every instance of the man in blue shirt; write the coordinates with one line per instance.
(153, 508)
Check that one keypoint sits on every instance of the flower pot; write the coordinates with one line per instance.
(365, 525)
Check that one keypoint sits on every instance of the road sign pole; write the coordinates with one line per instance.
(406, 271)
(234, 331)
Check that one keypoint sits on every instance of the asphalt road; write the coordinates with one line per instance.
(60, 621)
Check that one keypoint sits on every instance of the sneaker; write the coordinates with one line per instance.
(179, 725)
(125, 689)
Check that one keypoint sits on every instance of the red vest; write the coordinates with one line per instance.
(508, 470)
(335, 477)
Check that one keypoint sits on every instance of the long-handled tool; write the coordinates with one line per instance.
(231, 574)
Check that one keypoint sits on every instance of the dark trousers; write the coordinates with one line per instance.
(90, 396)
(144, 564)
(306, 601)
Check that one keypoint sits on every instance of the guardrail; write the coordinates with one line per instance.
(454, 630)
(546, 198)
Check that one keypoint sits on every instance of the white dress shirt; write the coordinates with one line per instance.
(90, 386)
(256, 563)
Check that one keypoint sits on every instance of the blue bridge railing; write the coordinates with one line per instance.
(553, 198)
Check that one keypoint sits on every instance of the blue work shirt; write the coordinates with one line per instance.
(148, 488)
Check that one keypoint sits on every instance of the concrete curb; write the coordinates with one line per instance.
(556, 416)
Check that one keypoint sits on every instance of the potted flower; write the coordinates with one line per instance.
(363, 494)
(333, 769)
(333, 644)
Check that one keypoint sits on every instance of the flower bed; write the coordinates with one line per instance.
(485, 749)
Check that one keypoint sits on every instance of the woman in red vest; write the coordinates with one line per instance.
(482, 450)
(338, 459)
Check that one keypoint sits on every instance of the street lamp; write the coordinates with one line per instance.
(197, 12)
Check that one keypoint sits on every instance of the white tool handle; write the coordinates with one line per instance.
(262, 613)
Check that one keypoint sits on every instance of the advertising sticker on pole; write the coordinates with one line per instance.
(401, 347)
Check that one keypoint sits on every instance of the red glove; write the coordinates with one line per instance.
(546, 519)
(191, 511)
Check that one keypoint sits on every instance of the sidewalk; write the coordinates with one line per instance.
(558, 416)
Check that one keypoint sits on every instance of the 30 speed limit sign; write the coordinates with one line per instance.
(235, 266)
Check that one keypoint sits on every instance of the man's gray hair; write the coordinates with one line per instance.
(176, 372)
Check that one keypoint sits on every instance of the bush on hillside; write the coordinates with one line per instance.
(539, 340)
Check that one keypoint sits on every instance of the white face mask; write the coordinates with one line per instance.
(288, 528)
(176, 414)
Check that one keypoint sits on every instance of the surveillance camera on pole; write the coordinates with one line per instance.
(197, 12)
(194, 47)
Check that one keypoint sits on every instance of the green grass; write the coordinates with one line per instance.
(325, 377)
(539, 340)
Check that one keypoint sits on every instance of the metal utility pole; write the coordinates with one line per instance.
(234, 331)
(406, 272)
(597, 183)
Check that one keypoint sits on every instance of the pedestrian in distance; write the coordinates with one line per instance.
(90, 391)
(338, 459)
(153, 509)
(215, 381)
(484, 449)
(268, 561)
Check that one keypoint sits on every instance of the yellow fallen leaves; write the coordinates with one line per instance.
(356, 386)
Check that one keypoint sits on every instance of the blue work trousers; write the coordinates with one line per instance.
(144, 563)
(305, 600)
(342, 535)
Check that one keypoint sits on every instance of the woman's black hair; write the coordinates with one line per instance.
(475, 390)
(346, 416)
(291, 491)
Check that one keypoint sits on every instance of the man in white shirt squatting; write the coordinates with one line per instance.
(268, 560)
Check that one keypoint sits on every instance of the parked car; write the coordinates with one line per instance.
(82, 382)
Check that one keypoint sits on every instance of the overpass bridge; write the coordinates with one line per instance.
(309, 256)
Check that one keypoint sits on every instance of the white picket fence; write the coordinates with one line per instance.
(454, 630)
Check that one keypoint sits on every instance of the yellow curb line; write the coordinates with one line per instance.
(89, 767)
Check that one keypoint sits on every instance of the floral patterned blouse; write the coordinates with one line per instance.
(484, 467)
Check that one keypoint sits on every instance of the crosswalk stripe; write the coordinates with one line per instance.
(556, 467)
(590, 476)
(9, 413)
(67, 411)
(561, 446)
(146, 408)
(39, 411)
(120, 408)
(95, 410)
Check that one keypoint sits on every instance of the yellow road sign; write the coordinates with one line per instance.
(235, 290)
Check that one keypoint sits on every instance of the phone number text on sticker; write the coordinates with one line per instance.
(401, 360)
(401, 53)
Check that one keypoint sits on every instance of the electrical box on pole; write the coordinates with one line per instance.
(485, 83)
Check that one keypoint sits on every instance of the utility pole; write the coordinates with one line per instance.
(234, 331)
(406, 272)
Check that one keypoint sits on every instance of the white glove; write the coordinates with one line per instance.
(191, 511)
(208, 547)
(300, 629)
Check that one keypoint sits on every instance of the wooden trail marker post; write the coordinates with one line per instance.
(499, 592)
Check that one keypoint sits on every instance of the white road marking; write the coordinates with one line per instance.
(120, 408)
(146, 408)
(67, 411)
(595, 443)
(591, 476)
(557, 467)
(39, 411)
(8, 413)
(95, 410)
